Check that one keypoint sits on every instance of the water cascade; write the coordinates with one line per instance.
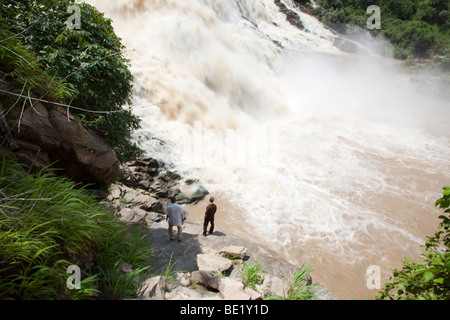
(334, 159)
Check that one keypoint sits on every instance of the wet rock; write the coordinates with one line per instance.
(347, 45)
(191, 194)
(291, 16)
(191, 181)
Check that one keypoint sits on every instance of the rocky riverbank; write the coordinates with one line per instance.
(198, 267)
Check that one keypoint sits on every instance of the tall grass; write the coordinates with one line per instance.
(19, 65)
(48, 224)
(252, 274)
(298, 287)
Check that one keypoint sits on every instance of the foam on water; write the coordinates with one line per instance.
(334, 159)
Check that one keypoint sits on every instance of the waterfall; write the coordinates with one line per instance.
(334, 159)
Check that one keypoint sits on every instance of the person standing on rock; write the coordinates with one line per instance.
(174, 214)
(209, 216)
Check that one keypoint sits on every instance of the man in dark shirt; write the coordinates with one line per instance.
(209, 216)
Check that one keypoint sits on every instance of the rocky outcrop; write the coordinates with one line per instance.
(349, 46)
(291, 16)
(144, 189)
(46, 136)
(209, 283)
(206, 283)
(211, 267)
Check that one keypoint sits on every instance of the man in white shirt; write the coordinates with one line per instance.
(174, 214)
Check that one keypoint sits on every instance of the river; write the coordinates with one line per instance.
(333, 159)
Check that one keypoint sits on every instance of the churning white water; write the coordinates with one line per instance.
(332, 159)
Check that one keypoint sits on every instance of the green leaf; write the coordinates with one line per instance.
(427, 276)
(446, 191)
(447, 265)
(437, 262)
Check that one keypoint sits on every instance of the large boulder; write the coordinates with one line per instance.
(182, 293)
(190, 193)
(207, 277)
(233, 289)
(214, 262)
(274, 286)
(153, 289)
(47, 136)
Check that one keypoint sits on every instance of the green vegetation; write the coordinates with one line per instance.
(47, 224)
(252, 274)
(430, 279)
(416, 28)
(169, 271)
(86, 64)
(21, 66)
(298, 288)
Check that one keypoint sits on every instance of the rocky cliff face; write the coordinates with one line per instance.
(46, 136)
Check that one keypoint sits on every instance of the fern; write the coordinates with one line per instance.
(46, 225)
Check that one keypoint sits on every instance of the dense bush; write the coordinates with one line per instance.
(430, 279)
(415, 37)
(20, 66)
(416, 28)
(46, 225)
(89, 59)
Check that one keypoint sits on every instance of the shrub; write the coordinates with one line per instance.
(417, 29)
(20, 66)
(430, 279)
(411, 37)
(89, 59)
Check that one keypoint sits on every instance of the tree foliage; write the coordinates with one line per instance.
(20, 66)
(416, 28)
(415, 37)
(90, 59)
(430, 279)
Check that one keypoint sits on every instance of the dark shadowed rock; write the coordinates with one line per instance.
(47, 136)
(291, 16)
